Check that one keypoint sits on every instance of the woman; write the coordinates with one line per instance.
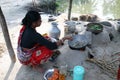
(33, 48)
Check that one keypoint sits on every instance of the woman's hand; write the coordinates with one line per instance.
(67, 38)
(61, 41)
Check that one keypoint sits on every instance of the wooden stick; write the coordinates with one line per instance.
(6, 36)
(106, 68)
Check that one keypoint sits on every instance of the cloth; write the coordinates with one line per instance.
(31, 37)
(34, 56)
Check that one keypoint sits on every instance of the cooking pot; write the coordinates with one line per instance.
(79, 42)
(95, 28)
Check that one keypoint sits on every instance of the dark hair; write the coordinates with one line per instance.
(30, 17)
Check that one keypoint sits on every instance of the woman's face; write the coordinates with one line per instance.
(37, 23)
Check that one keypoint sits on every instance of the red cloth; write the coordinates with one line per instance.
(118, 74)
(39, 53)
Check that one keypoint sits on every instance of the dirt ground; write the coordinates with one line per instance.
(16, 71)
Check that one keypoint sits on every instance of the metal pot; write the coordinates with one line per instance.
(54, 31)
(79, 42)
(70, 27)
(95, 28)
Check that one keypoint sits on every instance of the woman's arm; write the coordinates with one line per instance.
(51, 45)
(61, 41)
(43, 41)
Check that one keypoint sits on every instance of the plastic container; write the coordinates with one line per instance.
(78, 73)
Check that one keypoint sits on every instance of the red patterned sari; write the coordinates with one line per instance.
(34, 56)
